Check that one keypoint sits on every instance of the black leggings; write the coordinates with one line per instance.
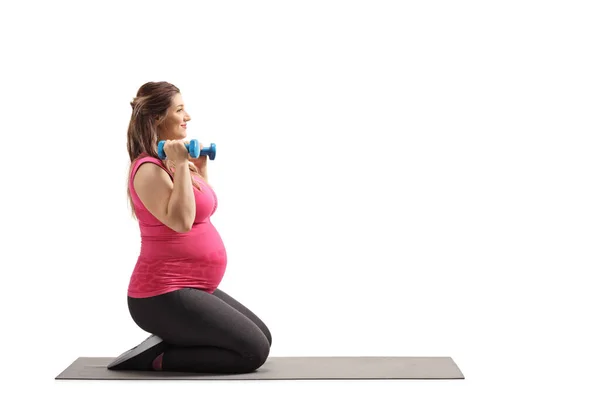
(203, 332)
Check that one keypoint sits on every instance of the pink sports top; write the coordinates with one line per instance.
(170, 260)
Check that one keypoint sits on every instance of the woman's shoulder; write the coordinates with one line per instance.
(144, 160)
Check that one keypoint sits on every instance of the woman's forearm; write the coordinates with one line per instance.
(203, 173)
(182, 204)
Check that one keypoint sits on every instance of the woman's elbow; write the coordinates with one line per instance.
(182, 226)
(186, 227)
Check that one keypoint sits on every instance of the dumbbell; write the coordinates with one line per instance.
(193, 148)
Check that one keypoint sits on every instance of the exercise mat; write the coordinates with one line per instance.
(286, 368)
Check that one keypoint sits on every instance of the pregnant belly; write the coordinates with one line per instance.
(194, 259)
(202, 244)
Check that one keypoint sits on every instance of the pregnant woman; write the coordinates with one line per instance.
(173, 292)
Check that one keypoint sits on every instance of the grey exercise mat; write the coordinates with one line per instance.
(287, 368)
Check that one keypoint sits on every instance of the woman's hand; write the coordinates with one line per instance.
(175, 151)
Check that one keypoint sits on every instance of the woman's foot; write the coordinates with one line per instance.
(157, 363)
(141, 357)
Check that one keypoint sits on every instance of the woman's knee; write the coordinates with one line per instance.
(267, 333)
(256, 353)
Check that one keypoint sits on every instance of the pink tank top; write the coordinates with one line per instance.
(169, 260)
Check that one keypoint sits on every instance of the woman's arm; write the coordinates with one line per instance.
(201, 164)
(204, 174)
(171, 202)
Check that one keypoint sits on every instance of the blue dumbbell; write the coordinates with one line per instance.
(193, 148)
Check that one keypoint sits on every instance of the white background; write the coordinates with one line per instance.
(396, 178)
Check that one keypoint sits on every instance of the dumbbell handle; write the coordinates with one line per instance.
(192, 148)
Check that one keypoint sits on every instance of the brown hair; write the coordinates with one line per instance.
(148, 111)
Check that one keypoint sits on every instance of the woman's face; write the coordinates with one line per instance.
(174, 125)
